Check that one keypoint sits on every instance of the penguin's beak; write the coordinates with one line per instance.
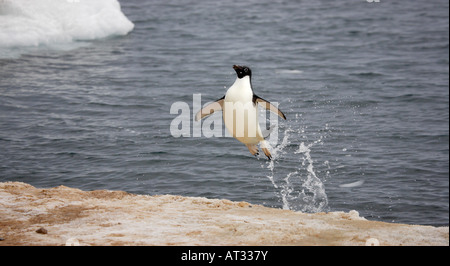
(236, 67)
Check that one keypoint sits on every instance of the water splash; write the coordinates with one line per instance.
(277, 151)
(298, 187)
(313, 193)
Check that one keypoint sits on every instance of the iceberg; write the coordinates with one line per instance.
(31, 23)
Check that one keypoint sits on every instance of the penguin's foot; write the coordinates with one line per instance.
(253, 149)
(267, 153)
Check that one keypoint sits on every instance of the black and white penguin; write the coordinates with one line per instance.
(240, 112)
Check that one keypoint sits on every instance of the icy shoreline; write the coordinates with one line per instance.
(68, 216)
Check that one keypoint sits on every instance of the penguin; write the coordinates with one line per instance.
(239, 108)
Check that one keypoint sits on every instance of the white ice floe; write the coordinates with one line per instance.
(25, 23)
(353, 184)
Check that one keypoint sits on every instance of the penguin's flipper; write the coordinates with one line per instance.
(210, 108)
(268, 106)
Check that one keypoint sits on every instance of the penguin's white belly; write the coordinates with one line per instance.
(241, 118)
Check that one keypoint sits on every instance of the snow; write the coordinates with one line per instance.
(75, 217)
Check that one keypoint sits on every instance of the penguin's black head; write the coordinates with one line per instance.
(242, 71)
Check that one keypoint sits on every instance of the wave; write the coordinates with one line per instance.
(25, 23)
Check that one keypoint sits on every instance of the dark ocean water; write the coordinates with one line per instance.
(364, 86)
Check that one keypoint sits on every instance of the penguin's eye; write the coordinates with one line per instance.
(245, 70)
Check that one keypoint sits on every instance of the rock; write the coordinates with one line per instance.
(41, 230)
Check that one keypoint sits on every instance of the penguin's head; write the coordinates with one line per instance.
(242, 71)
